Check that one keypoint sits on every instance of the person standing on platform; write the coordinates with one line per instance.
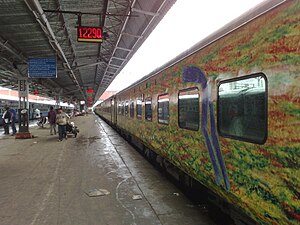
(52, 120)
(61, 120)
(13, 119)
(6, 119)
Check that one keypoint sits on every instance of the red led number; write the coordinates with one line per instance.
(90, 33)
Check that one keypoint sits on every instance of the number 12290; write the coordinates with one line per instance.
(89, 33)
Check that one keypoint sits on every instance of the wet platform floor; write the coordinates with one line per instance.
(45, 182)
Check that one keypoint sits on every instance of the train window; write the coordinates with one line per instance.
(120, 106)
(163, 109)
(131, 109)
(242, 108)
(188, 109)
(139, 109)
(126, 108)
(148, 109)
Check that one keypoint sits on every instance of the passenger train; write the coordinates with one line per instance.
(36, 109)
(226, 113)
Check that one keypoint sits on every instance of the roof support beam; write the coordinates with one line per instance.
(4, 45)
(124, 49)
(114, 66)
(144, 12)
(87, 65)
(132, 35)
(114, 57)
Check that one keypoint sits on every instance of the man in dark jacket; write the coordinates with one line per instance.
(52, 120)
(13, 119)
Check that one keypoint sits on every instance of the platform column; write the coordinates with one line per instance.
(23, 111)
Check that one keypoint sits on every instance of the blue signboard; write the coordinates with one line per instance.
(42, 68)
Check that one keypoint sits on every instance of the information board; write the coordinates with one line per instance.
(42, 68)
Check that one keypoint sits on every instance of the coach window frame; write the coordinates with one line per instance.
(158, 113)
(246, 113)
(179, 111)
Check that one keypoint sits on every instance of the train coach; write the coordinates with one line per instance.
(226, 114)
(35, 108)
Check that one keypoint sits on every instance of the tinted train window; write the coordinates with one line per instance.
(242, 108)
(139, 109)
(131, 109)
(148, 109)
(163, 109)
(188, 109)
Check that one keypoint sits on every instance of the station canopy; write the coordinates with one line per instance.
(109, 32)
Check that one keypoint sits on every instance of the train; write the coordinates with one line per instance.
(226, 114)
(36, 109)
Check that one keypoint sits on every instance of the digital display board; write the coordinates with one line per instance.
(89, 34)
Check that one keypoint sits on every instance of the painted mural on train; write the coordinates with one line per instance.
(259, 171)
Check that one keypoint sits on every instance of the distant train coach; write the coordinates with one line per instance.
(226, 113)
(36, 109)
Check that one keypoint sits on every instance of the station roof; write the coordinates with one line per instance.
(33, 29)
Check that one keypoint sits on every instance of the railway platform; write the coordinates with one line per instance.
(46, 182)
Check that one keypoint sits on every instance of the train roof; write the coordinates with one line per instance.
(240, 21)
(45, 102)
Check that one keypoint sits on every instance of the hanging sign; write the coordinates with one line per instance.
(89, 34)
(42, 68)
